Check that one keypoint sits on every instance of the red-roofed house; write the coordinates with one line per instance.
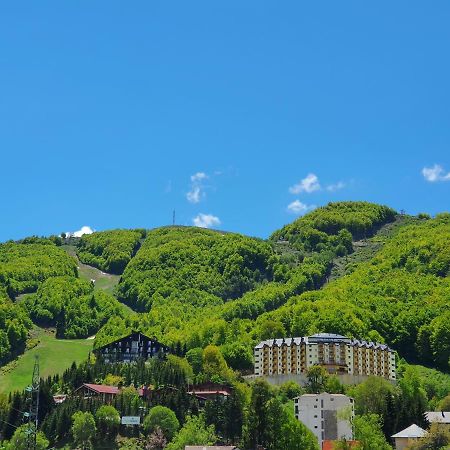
(210, 391)
(106, 393)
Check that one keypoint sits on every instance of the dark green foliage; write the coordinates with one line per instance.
(72, 306)
(163, 418)
(111, 250)
(14, 326)
(23, 266)
(270, 425)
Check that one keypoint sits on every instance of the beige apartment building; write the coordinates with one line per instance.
(338, 354)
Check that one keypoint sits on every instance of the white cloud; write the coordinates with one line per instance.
(309, 184)
(435, 173)
(193, 196)
(197, 189)
(199, 176)
(206, 220)
(83, 230)
(297, 207)
(336, 186)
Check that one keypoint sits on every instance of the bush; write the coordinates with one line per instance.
(163, 418)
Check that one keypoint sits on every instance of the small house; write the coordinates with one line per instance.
(408, 436)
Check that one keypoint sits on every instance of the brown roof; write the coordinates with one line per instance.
(102, 389)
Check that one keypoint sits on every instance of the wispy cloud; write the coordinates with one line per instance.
(297, 207)
(206, 221)
(198, 177)
(435, 173)
(336, 186)
(309, 184)
(196, 193)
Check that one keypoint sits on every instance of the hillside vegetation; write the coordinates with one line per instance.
(72, 306)
(176, 260)
(194, 287)
(319, 229)
(201, 287)
(24, 265)
(401, 296)
(110, 250)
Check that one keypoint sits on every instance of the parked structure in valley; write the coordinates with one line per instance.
(338, 354)
(131, 348)
(328, 416)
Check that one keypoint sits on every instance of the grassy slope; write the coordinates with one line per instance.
(103, 281)
(55, 355)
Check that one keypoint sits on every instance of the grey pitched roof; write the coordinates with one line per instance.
(413, 431)
(438, 416)
(325, 338)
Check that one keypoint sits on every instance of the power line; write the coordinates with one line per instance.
(33, 412)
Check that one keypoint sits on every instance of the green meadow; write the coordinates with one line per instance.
(55, 356)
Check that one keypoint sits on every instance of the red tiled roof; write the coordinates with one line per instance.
(102, 389)
(329, 445)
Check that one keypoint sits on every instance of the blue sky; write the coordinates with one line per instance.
(239, 115)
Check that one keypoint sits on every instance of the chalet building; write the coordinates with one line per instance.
(209, 391)
(131, 348)
(103, 392)
(338, 354)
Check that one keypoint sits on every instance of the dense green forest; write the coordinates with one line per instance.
(110, 250)
(24, 265)
(71, 306)
(178, 259)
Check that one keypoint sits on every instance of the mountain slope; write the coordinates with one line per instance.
(401, 295)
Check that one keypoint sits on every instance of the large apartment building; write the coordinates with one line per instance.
(328, 416)
(338, 354)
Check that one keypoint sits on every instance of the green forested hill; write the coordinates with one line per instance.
(402, 296)
(71, 306)
(196, 287)
(110, 250)
(318, 229)
(24, 265)
(178, 259)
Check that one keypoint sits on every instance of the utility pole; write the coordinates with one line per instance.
(33, 411)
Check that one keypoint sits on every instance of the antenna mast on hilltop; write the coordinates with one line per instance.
(33, 412)
(173, 218)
